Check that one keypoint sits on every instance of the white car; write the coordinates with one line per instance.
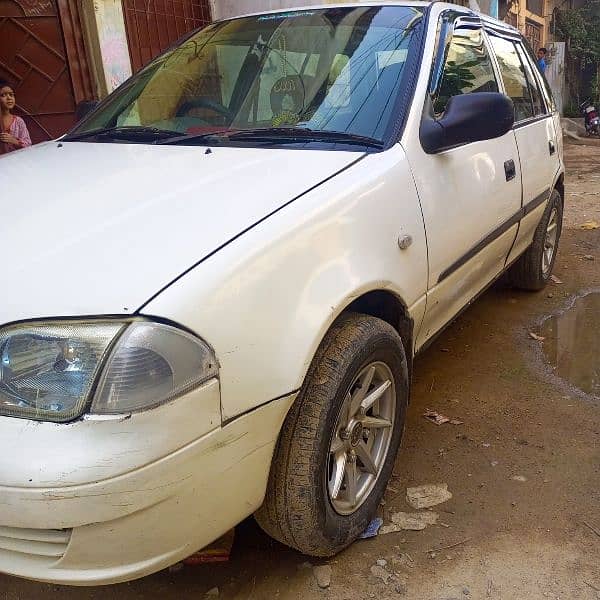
(215, 285)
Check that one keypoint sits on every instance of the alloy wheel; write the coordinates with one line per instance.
(550, 242)
(361, 437)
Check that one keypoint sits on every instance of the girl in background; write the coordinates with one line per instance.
(13, 131)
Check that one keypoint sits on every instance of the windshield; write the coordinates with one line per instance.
(323, 70)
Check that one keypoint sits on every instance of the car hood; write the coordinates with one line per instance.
(91, 229)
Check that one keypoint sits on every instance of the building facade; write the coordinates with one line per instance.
(531, 18)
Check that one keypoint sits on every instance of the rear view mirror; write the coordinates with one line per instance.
(468, 118)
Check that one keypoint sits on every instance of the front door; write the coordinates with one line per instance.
(470, 194)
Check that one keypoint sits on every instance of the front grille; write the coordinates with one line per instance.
(51, 543)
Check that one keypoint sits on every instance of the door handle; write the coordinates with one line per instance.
(551, 147)
(510, 170)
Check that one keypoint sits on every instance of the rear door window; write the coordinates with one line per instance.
(541, 77)
(534, 88)
(513, 77)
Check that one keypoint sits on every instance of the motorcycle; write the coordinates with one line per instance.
(591, 118)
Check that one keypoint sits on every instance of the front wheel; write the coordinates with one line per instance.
(337, 447)
(533, 269)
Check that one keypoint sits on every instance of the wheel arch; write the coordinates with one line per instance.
(388, 307)
(381, 304)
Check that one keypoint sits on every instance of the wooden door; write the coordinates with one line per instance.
(153, 25)
(49, 76)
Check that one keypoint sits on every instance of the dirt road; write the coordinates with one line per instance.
(524, 468)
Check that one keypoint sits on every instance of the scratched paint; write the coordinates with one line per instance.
(36, 8)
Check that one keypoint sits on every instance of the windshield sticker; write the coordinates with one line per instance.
(285, 118)
(288, 93)
(288, 15)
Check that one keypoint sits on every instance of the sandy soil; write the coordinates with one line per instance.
(583, 196)
(518, 539)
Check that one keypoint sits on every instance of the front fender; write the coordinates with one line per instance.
(265, 301)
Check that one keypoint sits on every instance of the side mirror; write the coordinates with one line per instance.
(84, 108)
(468, 118)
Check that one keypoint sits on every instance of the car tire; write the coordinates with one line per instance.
(534, 267)
(322, 491)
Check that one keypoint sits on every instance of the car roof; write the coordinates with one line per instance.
(364, 3)
(336, 5)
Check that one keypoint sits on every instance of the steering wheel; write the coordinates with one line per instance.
(204, 103)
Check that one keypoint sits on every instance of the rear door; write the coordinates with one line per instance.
(534, 130)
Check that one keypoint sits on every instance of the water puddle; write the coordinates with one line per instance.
(572, 344)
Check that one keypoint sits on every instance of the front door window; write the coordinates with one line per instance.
(467, 68)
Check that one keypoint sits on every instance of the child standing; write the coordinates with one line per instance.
(541, 55)
(13, 131)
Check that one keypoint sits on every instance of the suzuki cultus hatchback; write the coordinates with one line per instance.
(215, 285)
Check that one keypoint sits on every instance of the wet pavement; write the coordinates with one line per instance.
(523, 467)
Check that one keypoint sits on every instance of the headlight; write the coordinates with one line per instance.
(53, 371)
(47, 369)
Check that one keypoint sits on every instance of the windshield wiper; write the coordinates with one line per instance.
(305, 134)
(124, 132)
(191, 137)
(280, 134)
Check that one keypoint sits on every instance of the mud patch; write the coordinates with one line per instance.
(572, 343)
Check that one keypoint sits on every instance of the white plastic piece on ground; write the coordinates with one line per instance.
(425, 496)
(410, 521)
(322, 575)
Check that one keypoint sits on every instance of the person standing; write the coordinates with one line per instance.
(13, 131)
(541, 54)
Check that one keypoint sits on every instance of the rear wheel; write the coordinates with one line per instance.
(533, 269)
(337, 446)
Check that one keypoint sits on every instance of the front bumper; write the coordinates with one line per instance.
(139, 521)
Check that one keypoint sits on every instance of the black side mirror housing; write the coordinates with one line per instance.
(468, 118)
(84, 108)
